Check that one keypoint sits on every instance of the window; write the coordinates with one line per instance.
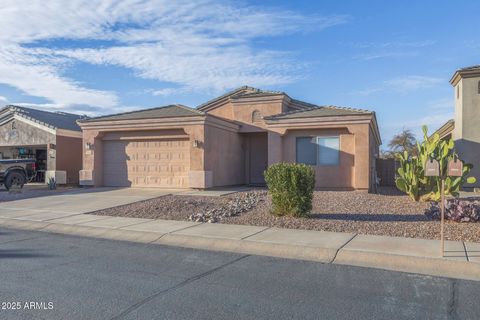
(458, 91)
(306, 150)
(256, 116)
(328, 150)
(318, 150)
(478, 90)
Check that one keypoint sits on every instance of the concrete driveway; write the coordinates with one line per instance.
(76, 202)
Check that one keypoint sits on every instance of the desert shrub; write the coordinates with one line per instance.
(411, 177)
(291, 186)
(459, 210)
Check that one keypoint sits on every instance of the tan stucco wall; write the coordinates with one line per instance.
(69, 157)
(201, 175)
(224, 156)
(334, 177)
(467, 124)
(357, 154)
(358, 142)
(223, 111)
(241, 110)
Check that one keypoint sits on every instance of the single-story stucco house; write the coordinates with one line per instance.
(230, 140)
(53, 139)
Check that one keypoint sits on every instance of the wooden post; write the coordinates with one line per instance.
(442, 212)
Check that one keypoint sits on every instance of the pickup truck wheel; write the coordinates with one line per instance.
(14, 179)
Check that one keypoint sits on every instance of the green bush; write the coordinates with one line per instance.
(291, 186)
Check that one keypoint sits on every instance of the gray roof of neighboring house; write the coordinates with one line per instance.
(55, 120)
(174, 110)
(243, 91)
(445, 129)
(319, 111)
(471, 68)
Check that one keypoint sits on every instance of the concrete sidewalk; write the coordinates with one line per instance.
(461, 260)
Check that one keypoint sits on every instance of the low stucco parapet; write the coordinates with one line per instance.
(86, 178)
(200, 179)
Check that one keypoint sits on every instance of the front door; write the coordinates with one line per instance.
(258, 157)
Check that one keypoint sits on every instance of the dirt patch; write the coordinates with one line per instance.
(388, 213)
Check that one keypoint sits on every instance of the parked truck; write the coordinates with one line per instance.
(14, 173)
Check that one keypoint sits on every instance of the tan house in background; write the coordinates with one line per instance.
(53, 139)
(465, 127)
(230, 140)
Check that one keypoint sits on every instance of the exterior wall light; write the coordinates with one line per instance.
(197, 143)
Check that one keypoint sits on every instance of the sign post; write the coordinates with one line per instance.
(442, 219)
(432, 169)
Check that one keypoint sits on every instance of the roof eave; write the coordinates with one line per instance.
(459, 74)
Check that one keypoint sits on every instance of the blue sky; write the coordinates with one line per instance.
(107, 56)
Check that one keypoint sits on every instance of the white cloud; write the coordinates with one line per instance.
(402, 85)
(390, 49)
(385, 54)
(411, 83)
(203, 45)
(391, 44)
(442, 104)
(36, 77)
(167, 91)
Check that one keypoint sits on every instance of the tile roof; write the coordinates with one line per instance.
(243, 91)
(175, 110)
(54, 120)
(471, 68)
(445, 129)
(319, 111)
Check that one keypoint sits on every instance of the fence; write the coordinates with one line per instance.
(386, 169)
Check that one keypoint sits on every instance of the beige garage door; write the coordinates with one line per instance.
(146, 163)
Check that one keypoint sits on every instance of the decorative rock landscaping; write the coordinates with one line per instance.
(389, 213)
(241, 203)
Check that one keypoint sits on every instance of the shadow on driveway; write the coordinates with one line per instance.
(22, 253)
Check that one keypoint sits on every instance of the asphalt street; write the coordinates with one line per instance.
(50, 276)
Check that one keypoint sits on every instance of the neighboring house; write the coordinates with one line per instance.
(230, 140)
(53, 138)
(465, 127)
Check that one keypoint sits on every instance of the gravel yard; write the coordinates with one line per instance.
(388, 213)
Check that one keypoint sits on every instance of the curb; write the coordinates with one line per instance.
(434, 266)
(427, 266)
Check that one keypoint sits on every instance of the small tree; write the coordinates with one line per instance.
(291, 186)
(401, 142)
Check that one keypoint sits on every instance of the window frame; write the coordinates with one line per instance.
(317, 150)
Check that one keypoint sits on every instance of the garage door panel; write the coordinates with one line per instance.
(153, 163)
